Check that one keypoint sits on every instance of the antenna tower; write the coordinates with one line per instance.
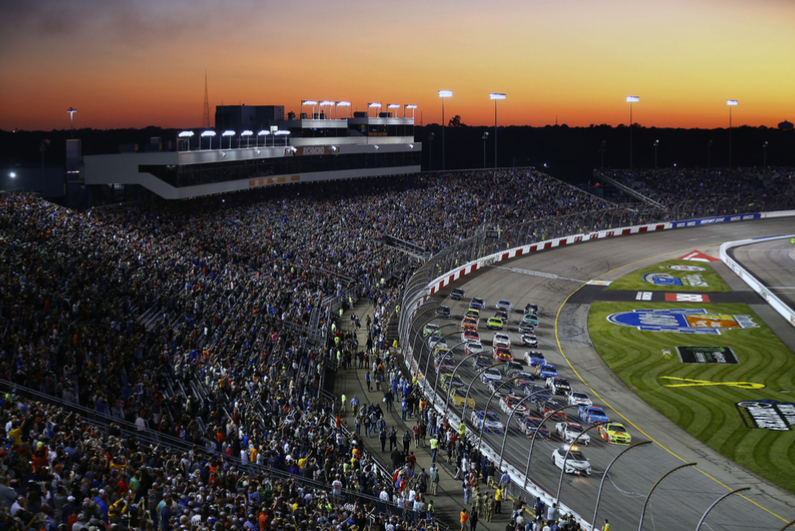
(206, 112)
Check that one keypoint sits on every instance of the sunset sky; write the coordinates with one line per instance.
(142, 62)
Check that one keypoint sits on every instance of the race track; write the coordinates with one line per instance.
(773, 264)
(549, 279)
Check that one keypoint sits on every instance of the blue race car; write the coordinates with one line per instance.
(547, 371)
(592, 414)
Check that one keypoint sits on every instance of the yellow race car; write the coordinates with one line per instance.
(614, 432)
(457, 398)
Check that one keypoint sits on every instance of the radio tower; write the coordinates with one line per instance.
(206, 112)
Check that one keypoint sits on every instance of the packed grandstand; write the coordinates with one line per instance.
(164, 365)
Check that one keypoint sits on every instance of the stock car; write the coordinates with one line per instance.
(502, 315)
(542, 396)
(491, 424)
(457, 294)
(481, 361)
(512, 367)
(495, 323)
(444, 360)
(477, 303)
(614, 432)
(548, 406)
(529, 425)
(490, 375)
(530, 318)
(500, 339)
(529, 340)
(574, 460)
(527, 328)
(558, 386)
(443, 311)
(546, 371)
(534, 357)
(447, 381)
(467, 323)
(523, 384)
(510, 402)
(470, 335)
(437, 341)
(504, 305)
(531, 308)
(472, 313)
(473, 347)
(568, 431)
(457, 397)
(592, 414)
(503, 354)
(579, 398)
(500, 388)
(429, 329)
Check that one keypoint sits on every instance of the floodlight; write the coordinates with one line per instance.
(445, 93)
(633, 99)
(208, 133)
(308, 102)
(496, 96)
(186, 134)
(228, 132)
(731, 102)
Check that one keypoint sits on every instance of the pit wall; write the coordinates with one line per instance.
(777, 304)
(517, 475)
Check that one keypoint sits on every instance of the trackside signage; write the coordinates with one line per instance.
(711, 221)
(767, 414)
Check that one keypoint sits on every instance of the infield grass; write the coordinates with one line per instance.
(707, 412)
(635, 282)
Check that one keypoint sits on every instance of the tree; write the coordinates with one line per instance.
(455, 121)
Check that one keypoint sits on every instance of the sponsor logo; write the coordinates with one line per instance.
(695, 280)
(688, 382)
(313, 150)
(643, 296)
(719, 355)
(686, 268)
(767, 414)
(662, 279)
(683, 321)
(698, 256)
(686, 297)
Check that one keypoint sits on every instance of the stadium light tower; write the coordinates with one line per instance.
(345, 104)
(730, 103)
(394, 107)
(264, 133)
(485, 137)
(246, 134)
(764, 154)
(409, 106)
(72, 111)
(187, 136)
(444, 94)
(207, 134)
(631, 100)
(230, 134)
(308, 102)
(656, 145)
(373, 105)
(496, 96)
(325, 103)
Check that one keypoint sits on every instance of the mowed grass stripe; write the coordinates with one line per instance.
(635, 281)
(707, 412)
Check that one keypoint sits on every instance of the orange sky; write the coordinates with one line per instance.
(132, 64)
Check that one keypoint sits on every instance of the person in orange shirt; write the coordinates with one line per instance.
(464, 518)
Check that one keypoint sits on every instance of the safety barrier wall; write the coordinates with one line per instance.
(777, 304)
(416, 295)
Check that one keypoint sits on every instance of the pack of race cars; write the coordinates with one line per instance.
(532, 394)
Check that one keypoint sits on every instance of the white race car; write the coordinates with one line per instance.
(490, 375)
(492, 422)
(510, 402)
(501, 340)
(504, 305)
(575, 461)
(579, 398)
(529, 340)
(568, 431)
(473, 347)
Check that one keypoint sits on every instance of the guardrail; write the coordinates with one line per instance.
(777, 304)
(444, 268)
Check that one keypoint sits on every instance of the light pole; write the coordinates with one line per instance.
(449, 389)
(508, 424)
(486, 409)
(72, 111)
(764, 155)
(373, 105)
(469, 388)
(308, 102)
(656, 145)
(648, 496)
(430, 151)
(409, 106)
(207, 134)
(393, 107)
(533, 439)
(264, 133)
(604, 476)
(187, 136)
(230, 134)
(496, 96)
(568, 451)
(485, 136)
(730, 103)
(631, 100)
(436, 380)
(246, 134)
(326, 103)
(339, 104)
(716, 502)
(444, 94)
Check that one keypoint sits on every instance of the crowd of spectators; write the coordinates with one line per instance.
(193, 320)
(713, 191)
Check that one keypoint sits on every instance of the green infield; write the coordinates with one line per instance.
(673, 275)
(702, 396)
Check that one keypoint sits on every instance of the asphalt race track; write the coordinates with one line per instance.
(549, 279)
(773, 264)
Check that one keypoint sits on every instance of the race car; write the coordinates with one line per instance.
(443, 360)
(546, 371)
(592, 414)
(429, 329)
(436, 341)
(614, 432)
(526, 327)
(502, 315)
(529, 425)
(530, 318)
(443, 311)
(531, 308)
(534, 357)
(473, 347)
(548, 406)
(457, 294)
(472, 313)
(457, 398)
(503, 354)
(573, 459)
(511, 368)
(500, 388)
(510, 402)
(501, 339)
(524, 383)
(529, 340)
(481, 361)
(504, 305)
(568, 431)
(542, 396)
(579, 398)
(558, 386)
(446, 381)
(477, 303)
(470, 335)
(469, 324)
(495, 323)
(488, 422)
(490, 375)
